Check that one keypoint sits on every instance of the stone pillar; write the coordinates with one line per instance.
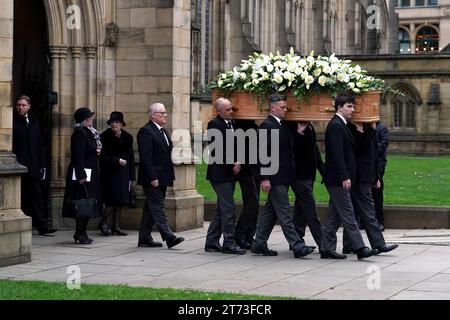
(393, 43)
(15, 227)
(153, 65)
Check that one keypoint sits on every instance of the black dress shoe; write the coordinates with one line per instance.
(118, 232)
(46, 230)
(303, 252)
(348, 251)
(233, 250)
(150, 243)
(386, 248)
(265, 252)
(331, 255)
(244, 244)
(365, 253)
(82, 239)
(215, 248)
(173, 242)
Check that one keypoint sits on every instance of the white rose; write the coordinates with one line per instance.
(244, 67)
(243, 76)
(309, 80)
(327, 69)
(359, 84)
(255, 82)
(277, 78)
(358, 69)
(298, 71)
(351, 85)
(310, 60)
(269, 68)
(220, 83)
(317, 72)
(322, 80)
(302, 63)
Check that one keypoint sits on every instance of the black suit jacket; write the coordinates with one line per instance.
(27, 145)
(155, 156)
(383, 143)
(220, 172)
(251, 150)
(306, 153)
(366, 151)
(340, 162)
(286, 170)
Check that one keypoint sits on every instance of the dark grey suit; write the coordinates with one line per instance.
(340, 165)
(155, 163)
(277, 205)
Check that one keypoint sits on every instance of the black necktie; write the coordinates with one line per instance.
(164, 136)
(229, 125)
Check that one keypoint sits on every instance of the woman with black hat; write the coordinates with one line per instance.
(83, 180)
(116, 171)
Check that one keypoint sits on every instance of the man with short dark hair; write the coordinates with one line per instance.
(277, 184)
(340, 173)
(27, 145)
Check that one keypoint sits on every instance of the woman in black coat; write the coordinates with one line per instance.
(116, 171)
(85, 149)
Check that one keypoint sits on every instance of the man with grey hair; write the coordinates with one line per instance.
(221, 173)
(156, 173)
(277, 184)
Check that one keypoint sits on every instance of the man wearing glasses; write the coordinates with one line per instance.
(277, 184)
(156, 173)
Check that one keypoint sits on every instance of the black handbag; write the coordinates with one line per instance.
(132, 203)
(84, 208)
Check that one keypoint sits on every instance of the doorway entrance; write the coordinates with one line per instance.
(32, 68)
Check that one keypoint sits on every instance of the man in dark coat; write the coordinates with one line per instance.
(248, 179)
(117, 171)
(27, 145)
(222, 168)
(340, 174)
(382, 138)
(367, 175)
(156, 173)
(277, 183)
(307, 161)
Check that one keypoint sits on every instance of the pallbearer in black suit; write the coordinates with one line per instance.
(307, 161)
(382, 138)
(367, 175)
(156, 173)
(277, 183)
(340, 174)
(248, 179)
(222, 168)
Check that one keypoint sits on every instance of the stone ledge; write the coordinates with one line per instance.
(9, 165)
(396, 217)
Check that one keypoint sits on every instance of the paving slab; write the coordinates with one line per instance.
(418, 269)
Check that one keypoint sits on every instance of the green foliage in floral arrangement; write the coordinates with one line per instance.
(265, 74)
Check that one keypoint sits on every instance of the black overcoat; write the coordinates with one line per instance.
(83, 156)
(115, 178)
(27, 145)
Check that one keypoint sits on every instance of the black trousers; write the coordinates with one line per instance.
(154, 212)
(305, 210)
(33, 202)
(276, 207)
(246, 224)
(378, 200)
(363, 203)
(224, 220)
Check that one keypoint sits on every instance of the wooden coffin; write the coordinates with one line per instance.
(318, 107)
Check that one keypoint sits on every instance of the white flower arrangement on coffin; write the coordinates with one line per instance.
(265, 74)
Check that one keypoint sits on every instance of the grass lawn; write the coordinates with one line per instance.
(409, 180)
(38, 290)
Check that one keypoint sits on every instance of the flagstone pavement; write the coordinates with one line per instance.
(418, 269)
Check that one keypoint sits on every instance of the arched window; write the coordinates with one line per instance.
(403, 37)
(404, 108)
(427, 40)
